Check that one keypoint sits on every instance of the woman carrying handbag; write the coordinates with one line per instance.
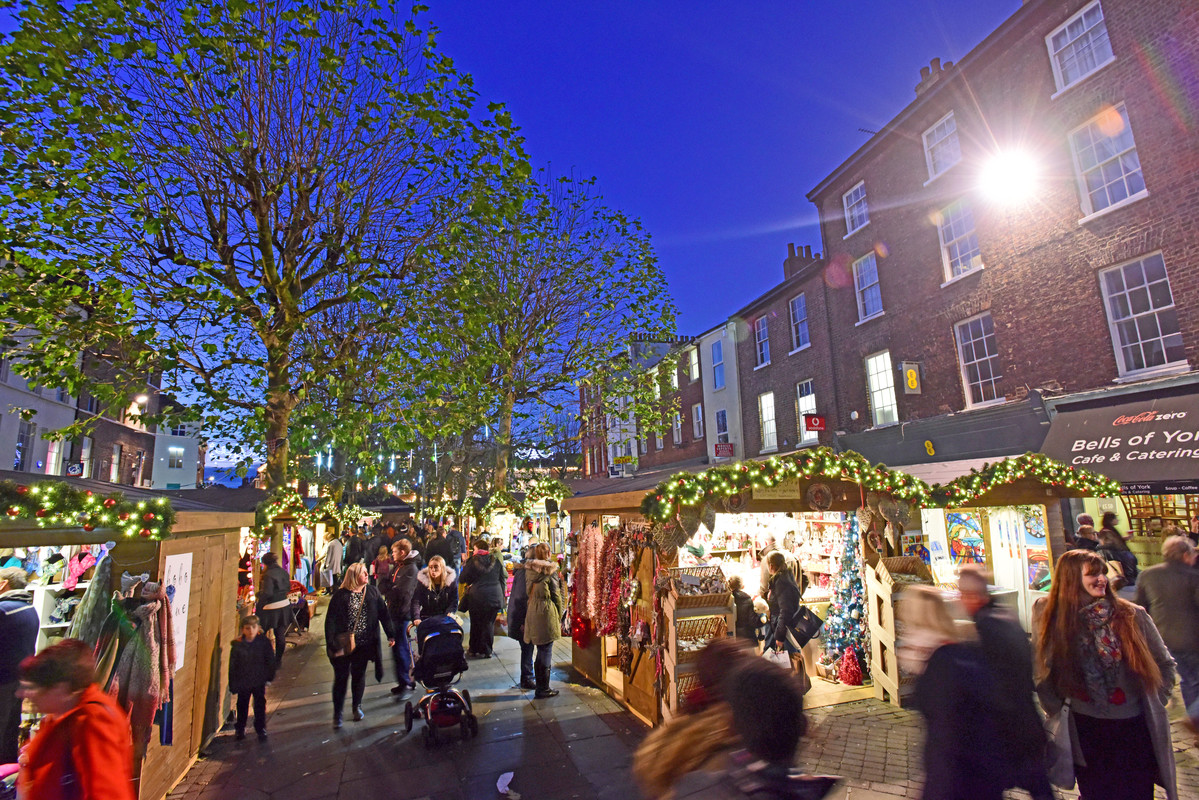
(1104, 677)
(352, 637)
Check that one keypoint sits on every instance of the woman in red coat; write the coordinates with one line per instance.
(83, 748)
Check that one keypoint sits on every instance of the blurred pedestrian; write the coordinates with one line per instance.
(1113, 548)
(380, 570)
(436, 590)
(518, 606)
(956, 695)
(274, 606)
(767, 724)
(1104, 657)
(1007, 652)
(19, 625)
(1108, 523)
(352, 638)
(251, 668)
(483, 578)
(702, 732)
(543, 617)
(331, 565)
(83, 748)
(401, 604)
(1170, 593)
(355, 549)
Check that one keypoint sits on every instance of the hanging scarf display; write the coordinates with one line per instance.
(141, 678)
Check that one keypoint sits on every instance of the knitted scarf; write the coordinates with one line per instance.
(1100, 653)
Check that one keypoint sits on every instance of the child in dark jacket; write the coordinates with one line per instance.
(251, 668)
(748, 620)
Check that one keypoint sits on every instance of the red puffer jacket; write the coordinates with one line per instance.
(86, 753)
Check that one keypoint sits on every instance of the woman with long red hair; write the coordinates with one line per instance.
(1104, 656)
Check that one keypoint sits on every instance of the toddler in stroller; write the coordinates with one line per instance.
(439, 665)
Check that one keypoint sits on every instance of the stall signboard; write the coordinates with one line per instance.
(177, 581)
(1150, 446)
(724, 450)
(784, 491)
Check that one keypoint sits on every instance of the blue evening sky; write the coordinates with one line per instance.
(709, 121)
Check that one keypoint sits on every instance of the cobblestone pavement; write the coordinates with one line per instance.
(577, 745)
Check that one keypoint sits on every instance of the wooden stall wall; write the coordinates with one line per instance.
(201, 699)
(640, 688)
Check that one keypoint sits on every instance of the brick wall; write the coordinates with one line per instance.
(689, 393)
(1040, 264)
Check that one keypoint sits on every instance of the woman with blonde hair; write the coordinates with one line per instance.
(1104, 657)
(955, 694)
(352, 637)
(436, 590)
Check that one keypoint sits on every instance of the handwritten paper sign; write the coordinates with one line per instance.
(177, 573)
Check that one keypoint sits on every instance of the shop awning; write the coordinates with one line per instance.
(1151, 446)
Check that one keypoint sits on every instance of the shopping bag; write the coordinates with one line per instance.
(801, 672)
(778, 657)
(805, 624)
(1060, 757)
(500, 626)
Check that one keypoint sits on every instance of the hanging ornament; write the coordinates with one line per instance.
(41, 512)
(145, 533)
(123, 516)
(89, 527)
(148, 516)
(22, 489)
(109, 502)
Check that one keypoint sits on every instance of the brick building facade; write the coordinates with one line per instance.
(946, 320)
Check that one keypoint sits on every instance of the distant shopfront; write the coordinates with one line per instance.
(1147, 438)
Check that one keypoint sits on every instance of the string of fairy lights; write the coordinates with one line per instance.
(57, 504)
(668, 498)
(1041, 468)
(289, 503)
(665, 501)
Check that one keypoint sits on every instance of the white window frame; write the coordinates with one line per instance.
(964, 364)
(1114, 324)
(761, 341)
(722, 426)
(660, 440)
(643, 442)
(674, 377)
(799, 324)
(881, 395)
(692, 364)
(717, 365)
(944, 220)
(851, 201)
(949, 139)
(697, 421)
(1080, 173)
(767, 427)
(859, 290)
(114, 466)
(1054, 54)
(676, 428)
(805, 404)
(174, 458)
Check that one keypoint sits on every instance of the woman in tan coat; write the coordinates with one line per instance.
(542, 625)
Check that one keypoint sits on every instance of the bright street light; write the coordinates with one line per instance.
(1010, 177)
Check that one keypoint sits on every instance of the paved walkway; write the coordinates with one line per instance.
(577, 745)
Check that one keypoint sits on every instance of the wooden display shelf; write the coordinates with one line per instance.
(882, 588)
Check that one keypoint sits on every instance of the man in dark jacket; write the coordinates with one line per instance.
(1170, 593)
(458, 543)
(18, 633)
(1008, 656)
(400, 604)
(274, 607)
(355, 550)
(439, 545)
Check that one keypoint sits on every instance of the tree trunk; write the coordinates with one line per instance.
(279, 405)
(503, 442)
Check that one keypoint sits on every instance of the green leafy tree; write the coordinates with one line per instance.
(185, 187)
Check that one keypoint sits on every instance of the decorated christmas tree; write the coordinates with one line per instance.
(846, 628)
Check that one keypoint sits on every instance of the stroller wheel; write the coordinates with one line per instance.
(474, 725)
(430, 737)
(466, 697)
(465, 727)
(408, 717)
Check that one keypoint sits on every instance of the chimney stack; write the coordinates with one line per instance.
(798, 259)
(931, 74)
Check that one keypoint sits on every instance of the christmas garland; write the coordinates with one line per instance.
(665, 501)
(967, 488)
(57, 504)
(289, 503)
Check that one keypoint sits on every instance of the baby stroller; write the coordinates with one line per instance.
(439, 665)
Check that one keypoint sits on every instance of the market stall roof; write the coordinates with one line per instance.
(610, 493)
(945, 471)
(1150, 445)
(1020, 479)
(186, 500)
(393, 507)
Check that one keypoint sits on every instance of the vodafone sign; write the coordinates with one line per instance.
(1151, 446)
